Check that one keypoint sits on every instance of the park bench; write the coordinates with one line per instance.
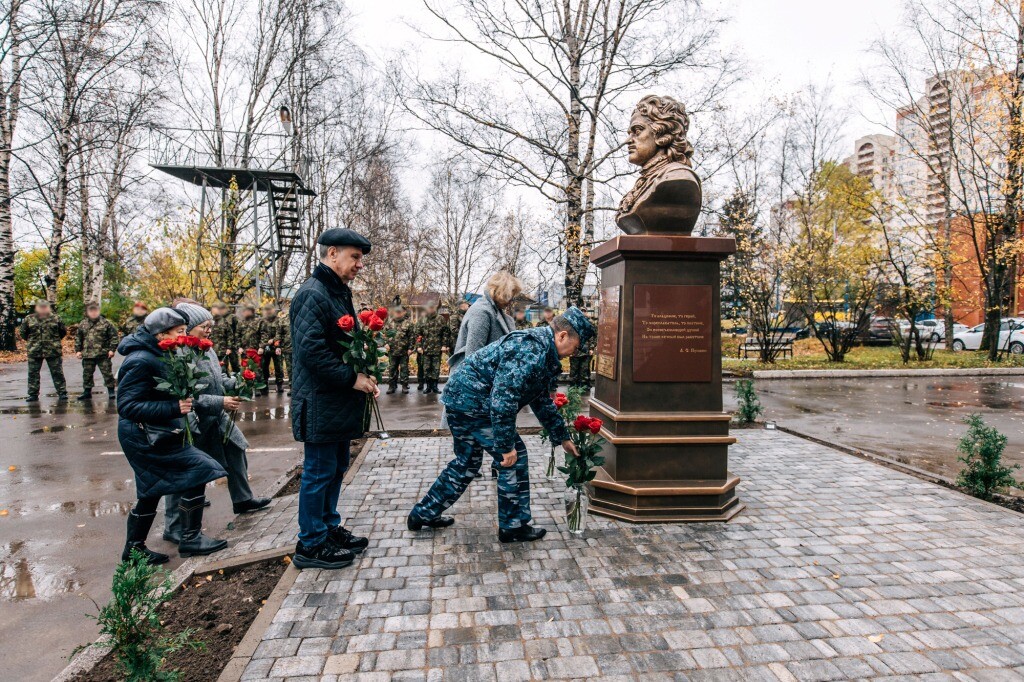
(752, 346)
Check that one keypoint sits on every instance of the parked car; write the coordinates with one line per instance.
(971, 338)
(878, 332)
(929, 330)
(1016, 341)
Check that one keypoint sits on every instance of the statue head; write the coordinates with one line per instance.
(659, 126)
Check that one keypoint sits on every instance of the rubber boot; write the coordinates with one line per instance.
(138, 531)
(193, 542)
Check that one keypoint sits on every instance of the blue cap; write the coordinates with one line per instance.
(584, 328)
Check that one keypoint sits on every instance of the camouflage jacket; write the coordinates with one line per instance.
(498, 380)
(585, 350)
(131, 325)
(454, 324)
(270, 332)
(249, 333)
(523, 324)
(284, 333)
(42, 335)
(96, 338)
(435, 333)
(224, 333)
(400, 335)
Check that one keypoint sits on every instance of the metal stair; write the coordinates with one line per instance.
(284, 201)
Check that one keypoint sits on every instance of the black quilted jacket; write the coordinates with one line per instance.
(325, 408)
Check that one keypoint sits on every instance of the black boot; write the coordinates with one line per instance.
(138, 530)
(434, 388)
(280, 388)
(111, 394)
(416, 523)
(193, 542)
(86, 395)
(392, 388)
(405, 388)
(32, 399)
(521, 534)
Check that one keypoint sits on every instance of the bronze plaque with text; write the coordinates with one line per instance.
(672, 332)
(607, 350)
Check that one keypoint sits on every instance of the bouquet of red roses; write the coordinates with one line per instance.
(364, 352)
(581, 470)
(183, 378)
(247, 383)
(568, 405)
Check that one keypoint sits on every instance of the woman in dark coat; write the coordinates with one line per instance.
(163, 469)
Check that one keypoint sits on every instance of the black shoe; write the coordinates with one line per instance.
(86, 395)
(342, 537)
(434, 388)
(111, 394)
(325, 555)
(62, 397)
(414, 523)
(521, 534)
(32, 399)
(138, 530)
(405, 389)
(172, 538)
(392, 389)
(206, 502)
(252, 505)
(193, 541)
(420, 388)
(494, 472)
(280, 388)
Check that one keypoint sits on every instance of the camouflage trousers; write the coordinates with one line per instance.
(89, 367)
(278, 362)
(56, 366)
(232, 363)
(579, 371)
(431, 366)
(398, 370)
(286, 364)
(470, 438)
(419, 369)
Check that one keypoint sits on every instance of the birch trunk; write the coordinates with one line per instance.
(10, 96)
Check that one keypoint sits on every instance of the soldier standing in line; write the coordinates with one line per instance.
(434, 341)
(139, 312)
(270, 348)
(223, 336)
(42, 332)
(455, 322)
(248, 330)
(284, 332)
(399, 335)
(549, 314)
(95, 344)
(416, 338)
(579, 363)
(521, 321)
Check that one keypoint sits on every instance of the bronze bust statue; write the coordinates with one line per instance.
(666, 198)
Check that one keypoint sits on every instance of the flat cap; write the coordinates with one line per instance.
(340, 236)
(584, 327)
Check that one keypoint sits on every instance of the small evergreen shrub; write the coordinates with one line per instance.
(132, 622)
(749, 406)
(984, 472)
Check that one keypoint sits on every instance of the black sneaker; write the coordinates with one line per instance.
(343, 538)
(325, 555)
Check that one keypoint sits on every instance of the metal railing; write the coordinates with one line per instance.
(200, 148)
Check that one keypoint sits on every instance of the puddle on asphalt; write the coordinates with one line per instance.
(21, 580)
(54, 429)
(938, 403)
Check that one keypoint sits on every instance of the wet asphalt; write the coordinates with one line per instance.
(65, 487)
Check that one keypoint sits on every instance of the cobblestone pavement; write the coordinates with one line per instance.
(838, 569)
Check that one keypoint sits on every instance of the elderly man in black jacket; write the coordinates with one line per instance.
(328, 399)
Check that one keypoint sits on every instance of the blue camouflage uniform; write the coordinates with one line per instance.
(482, 399)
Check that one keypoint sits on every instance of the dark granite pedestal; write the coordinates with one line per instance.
(659, 381)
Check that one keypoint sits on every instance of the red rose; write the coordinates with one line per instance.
(595, 426)
(168, 344)
(347, 323)
(248, 375)
(205, 344)
(561, 400)
(381, 312)
(365, 315)
(582, 423)
(190, 341)
(375, 323)
(252, 353)
(182, 340)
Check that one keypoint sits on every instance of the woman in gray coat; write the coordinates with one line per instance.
(212, 406)
(485, 322)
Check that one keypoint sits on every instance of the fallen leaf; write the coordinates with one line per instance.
(3, 512)
(81, 525)
(209, 578)
(835, 576)
(221, 571)
(12, 468)
(287, 559)
(875, 639)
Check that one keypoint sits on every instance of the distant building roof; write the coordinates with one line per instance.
(424, 299)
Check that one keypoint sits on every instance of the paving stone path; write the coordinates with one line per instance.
(837, 569)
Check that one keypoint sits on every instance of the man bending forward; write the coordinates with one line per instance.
(482, 399)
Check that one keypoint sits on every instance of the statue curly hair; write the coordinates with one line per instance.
(670, 124)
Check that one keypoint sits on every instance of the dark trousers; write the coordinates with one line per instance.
(579, 371)
(269, 357)
(398, 369)
(148, 505)
(234, 461)
(89, 367)
(323, 469)
(419, 369)
(432, 366)
(232, 363)
(56, 367)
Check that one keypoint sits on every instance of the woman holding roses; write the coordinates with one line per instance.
(219, 437)
(149, 430)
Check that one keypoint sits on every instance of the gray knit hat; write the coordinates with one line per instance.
(195, 314)
(162, 319)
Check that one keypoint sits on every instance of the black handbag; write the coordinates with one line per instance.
(160, 437)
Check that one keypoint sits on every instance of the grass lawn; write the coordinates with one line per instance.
(807, 354)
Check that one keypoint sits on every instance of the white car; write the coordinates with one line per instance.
(932, 330)
(1017, 341)
(971, 339)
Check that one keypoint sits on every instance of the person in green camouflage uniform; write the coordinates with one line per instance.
(224, 335)
(400, 334)
(138, 316)
(247, 331)
(284, 333)
(42, 332)
(435, 340)
(521, 321)
(455, 321)
(270, 347)
(579, 362)
(95, 344)
(549, 314)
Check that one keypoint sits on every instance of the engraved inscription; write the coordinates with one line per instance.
(672, 333)
(607, 349)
